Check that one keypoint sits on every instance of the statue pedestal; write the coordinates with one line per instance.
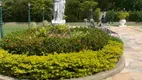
(58, 22)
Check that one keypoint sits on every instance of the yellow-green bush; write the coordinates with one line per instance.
(59, 66)
(122, 15)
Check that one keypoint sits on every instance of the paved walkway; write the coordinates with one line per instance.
(132, 38)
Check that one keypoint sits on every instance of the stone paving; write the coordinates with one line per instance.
(132, 38)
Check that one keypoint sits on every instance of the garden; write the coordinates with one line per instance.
(58, 52)
(45, 50)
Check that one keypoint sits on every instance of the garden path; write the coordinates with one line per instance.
(132, 38)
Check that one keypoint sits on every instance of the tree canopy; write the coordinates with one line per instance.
(76, 10)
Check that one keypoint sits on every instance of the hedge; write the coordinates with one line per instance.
(55, 39)
(60, 66)
(135, 16)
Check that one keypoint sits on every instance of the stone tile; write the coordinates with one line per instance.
(110, 78)
(136, 76)
(132, 38)
(138, 59)
(133, 66)
(122, 76)
(124, 71)
(130, 63)
(140, 64)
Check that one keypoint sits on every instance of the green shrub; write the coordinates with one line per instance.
(95, 40)
(45, 23)
(111, 16)
(54, 39)
(116, 39)
(60, 66)
(33, 25)
(122, 15)
(97, 14)
(135, 16)
(22, 42)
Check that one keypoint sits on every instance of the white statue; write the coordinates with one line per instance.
(59, 9)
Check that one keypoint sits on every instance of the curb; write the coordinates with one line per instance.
(99, 76)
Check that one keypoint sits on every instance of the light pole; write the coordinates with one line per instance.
(1, 24)
(43, 14)
(29, 16)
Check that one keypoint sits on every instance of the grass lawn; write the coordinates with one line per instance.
(77, 23)
(10, 27)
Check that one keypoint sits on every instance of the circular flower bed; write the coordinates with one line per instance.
(98, 52)
(54, 39)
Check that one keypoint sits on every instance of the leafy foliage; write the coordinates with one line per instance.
(86, 7)
(111, 16)
(76, 10)
(17, 10)
(122, 15)
(116, 39)
(135, 16)
(60, 66)
(97, 14)
(54, 39)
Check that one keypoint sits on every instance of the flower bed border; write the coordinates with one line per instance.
(99, 76)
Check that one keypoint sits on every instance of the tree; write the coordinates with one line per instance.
(37, 6)
(106, 4)
(78, 10)
(87, 6)
(17, 10)
(72, 10)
